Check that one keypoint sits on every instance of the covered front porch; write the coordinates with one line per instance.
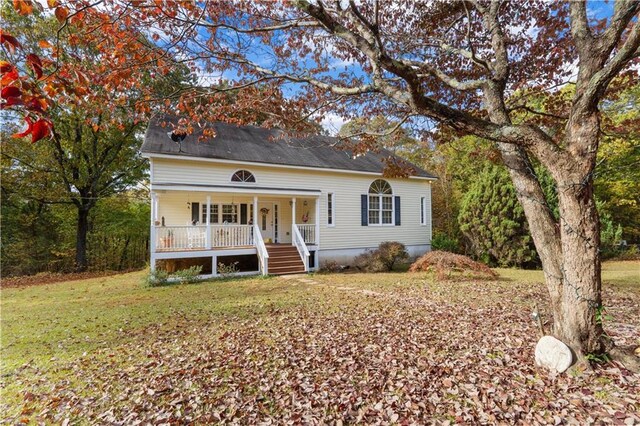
(188, 223)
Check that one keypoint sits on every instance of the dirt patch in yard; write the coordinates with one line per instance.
(50, 278)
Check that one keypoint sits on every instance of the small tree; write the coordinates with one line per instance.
(493, 221)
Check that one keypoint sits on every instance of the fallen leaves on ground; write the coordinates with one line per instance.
(418, 353)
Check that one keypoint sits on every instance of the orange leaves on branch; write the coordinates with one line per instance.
(44, 44)
(10, 92)
(35, 63)
(38, 129)
(10, 41)
(9, 73)
(23, 7)
(5, 67)
(20, 91)
(41, 128)
(61, 13)
(11, 96)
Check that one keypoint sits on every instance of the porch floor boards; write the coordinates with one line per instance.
(175, 249)
(178, 250)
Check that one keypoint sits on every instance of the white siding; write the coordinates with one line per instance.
(347, 187)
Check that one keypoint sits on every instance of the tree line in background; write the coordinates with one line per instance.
(475, 209)
(76, 200)
(474, 205)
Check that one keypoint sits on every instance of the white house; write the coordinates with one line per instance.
(266, 203)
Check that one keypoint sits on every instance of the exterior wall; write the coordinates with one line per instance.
(346, 256)
(347, 231)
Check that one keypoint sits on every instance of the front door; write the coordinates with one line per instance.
(268, 221)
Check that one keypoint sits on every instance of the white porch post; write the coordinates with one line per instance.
(255, 211)
(152, 232)
(293, 211)
(207, 237)
(317, 239)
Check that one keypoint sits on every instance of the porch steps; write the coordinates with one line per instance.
(284, 259)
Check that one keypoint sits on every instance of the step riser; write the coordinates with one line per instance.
(284, 260)
(293, 271)
(295, 263)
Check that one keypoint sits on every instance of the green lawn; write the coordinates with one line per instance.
(384, 347)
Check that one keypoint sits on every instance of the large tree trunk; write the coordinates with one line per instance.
(569, 252)
(542, 225)
(81, 238)
(576, 322)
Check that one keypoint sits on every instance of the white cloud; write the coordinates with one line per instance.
(332, 123)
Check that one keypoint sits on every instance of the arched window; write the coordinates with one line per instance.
(244, 176)
(380, 203)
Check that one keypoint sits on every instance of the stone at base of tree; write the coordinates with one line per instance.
(551, 353)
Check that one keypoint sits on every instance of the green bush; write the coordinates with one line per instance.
(329, 267)
(493, 222)
(156, 278)
(383, 259)
(628, 253)
(443, 242)
(189, 275)
(610, 234)
(228, 269)
(160, 277)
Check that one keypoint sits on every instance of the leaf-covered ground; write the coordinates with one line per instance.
(375, 349)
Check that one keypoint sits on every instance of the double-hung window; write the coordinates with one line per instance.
(331, 209)
(380, 203)
(229, 213)
(213, 210)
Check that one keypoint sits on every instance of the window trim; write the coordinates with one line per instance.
(214, 213)
(331, 214)
(423, 210)
(236, 208)
(379, 196)
(255, 180)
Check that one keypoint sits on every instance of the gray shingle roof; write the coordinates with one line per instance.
(268, 146)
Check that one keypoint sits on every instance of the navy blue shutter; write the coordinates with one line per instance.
(397, 201)
(195, 213)
(243, 214)
(364, 210)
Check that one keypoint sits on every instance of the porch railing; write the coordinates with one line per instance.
(190, 237)
(298, 241)
(180, 237)
(231, 235)
(261, 248)
(308, 233)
